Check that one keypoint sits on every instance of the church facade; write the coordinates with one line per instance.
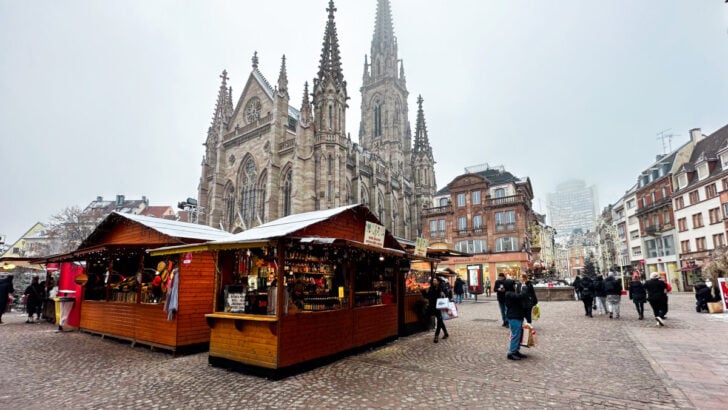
(265, 159)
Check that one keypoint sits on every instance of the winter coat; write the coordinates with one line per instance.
(612, 286)
(517, 303)
(587, 288)
(656, 289)
(637, 291)
(35, 293)
(432, 294)
(502, 294)
(6, 288)
(459, 286)
(599, 287)
(530, 293)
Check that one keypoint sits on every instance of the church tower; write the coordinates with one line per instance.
(384, 128)
(329, 103)
(423, 162)
(210, 188)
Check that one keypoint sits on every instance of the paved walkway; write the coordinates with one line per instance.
(579, 363)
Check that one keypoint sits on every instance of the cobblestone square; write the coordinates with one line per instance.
(579, 363)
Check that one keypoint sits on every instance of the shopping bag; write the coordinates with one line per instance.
(535, 312)
(452, 311)
(528, 336)
(442, 303)
(444, 314)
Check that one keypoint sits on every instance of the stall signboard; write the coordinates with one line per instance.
(187, 258)
(235, 298)
(421, 247)
(374, 234)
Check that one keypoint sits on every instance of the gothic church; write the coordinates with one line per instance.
(265, 159)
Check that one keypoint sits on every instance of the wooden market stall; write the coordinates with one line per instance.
(303, 290)
(151, 300)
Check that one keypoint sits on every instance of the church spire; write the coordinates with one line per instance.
(305, 107)
(283, 78)
(383, 27)
(422, 142)
(224, 104)
(330, 64)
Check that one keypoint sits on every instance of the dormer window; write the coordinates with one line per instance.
(724, 160)
(702, 171)
(682, 180)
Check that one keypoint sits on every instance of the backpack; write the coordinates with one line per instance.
(586, 290)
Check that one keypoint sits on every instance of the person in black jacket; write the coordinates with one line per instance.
(459, 290)
(6, 288)
(577, 287)
(587, 295)
(435, 292)
(499, 287)
(657, 296)
(613, 290)
(638, 294)
(600, 296)
(516, 305)
(530, 295)
(36, 295)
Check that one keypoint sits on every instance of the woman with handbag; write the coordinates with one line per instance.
(436, 291)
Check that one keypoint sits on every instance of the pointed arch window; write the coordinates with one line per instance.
(331, 116)
(364, 196)
(230, 206)
(377, 119)
(330, 164)
(262, 186)
(287, 189)
(248, 193)
(380, 207)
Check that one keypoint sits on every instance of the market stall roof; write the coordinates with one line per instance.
(298, 226)
(167, 227)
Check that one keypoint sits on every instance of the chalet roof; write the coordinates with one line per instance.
(173, 229)
(290, 225)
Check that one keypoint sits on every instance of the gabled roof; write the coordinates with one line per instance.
(295, 226)
(157, 211)
(494, 176)
(174, 229)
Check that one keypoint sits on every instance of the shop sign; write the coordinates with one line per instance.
(374, 234)
(421, 247)
(187, 258)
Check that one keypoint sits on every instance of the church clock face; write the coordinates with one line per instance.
(252, 110)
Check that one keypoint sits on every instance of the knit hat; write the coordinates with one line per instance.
(654, 275)
(611, 274)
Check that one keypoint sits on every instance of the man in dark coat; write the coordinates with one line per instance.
(587, 295)
(499, 287)
(6, 288)
(657, 296)
(459, 290)
(577, 287)
(516, 305)
(36, 294)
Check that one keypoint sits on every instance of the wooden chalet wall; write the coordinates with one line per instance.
(196, 297)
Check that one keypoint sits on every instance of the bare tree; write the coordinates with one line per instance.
(69, 228)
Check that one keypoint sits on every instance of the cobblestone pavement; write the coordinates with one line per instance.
(579, 363)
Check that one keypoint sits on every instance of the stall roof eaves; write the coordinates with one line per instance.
(177, 229)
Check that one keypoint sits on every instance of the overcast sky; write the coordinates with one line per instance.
(99, 98)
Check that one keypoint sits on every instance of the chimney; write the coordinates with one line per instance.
(99, 198)
(145, 200)
(696, 135)
(119, 200)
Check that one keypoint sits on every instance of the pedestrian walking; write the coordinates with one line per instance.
(530, 296)
(6, 289)
(638, 294)
(435, 292)
(35, 295)
(487, 285)
(577, 287)
(500, 290)
(516, 303)
(613, 290)
(657, 296)
(600, 296)
(587, 295)
(459, 290)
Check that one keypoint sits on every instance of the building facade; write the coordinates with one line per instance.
(700, 202)
(489, 214)
(265, 159)
(572, 206)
